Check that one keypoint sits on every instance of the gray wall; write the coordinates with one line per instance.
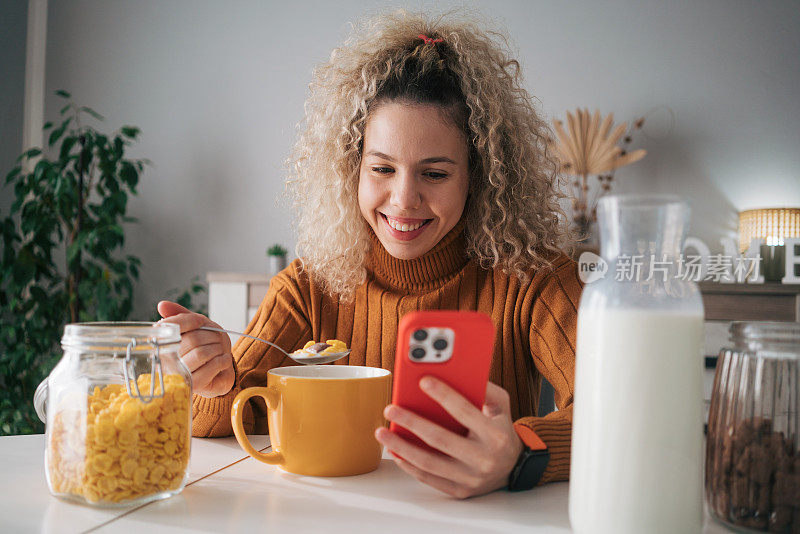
(217, 88)
(13, 31)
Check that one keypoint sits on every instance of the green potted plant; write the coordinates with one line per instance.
(277, 259)
(61, 244)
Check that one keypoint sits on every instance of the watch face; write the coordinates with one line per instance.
(529, 470)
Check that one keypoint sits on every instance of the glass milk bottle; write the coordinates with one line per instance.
(637, 432)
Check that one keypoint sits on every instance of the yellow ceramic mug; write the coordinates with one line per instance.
(322, 418)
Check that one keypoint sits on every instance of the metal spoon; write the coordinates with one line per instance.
(299, 355)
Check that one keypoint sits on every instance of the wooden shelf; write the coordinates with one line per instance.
(770, 301)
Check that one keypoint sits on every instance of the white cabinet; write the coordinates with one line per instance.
(233, 298)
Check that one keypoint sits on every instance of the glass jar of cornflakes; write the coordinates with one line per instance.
(117, 413)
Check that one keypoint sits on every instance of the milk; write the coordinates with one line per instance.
(637, 423)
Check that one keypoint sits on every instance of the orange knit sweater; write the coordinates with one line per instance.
(535, 323)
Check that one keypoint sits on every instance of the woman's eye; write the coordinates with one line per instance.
(431, 175)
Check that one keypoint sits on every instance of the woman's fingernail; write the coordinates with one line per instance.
(426, 384)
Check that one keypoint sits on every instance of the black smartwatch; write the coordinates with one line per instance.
(532, 461)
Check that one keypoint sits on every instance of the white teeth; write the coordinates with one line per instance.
(403, 227)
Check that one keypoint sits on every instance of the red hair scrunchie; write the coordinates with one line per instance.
(430, 40)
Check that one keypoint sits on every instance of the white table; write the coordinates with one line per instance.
(230, 492)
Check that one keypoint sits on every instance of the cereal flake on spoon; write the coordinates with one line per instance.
(314, 349)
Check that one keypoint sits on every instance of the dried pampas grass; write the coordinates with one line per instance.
(588, 145)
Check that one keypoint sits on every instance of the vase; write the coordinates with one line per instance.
(587, 240)
(277, 263)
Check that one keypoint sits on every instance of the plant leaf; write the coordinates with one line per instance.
(64, 94)
(13, 174)
(66, 146)
(30, 153)
(130, 131)
(93, 113)
(129, 174)
(56, 134)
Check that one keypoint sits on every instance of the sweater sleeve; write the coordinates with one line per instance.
(282, 319)
(552, 343)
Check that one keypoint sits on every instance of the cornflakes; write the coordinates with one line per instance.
(123, 449)
(334, 346)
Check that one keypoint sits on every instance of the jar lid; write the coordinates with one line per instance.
(111, 335)
(767, 335)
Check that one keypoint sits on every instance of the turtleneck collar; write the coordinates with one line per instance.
(429, 271)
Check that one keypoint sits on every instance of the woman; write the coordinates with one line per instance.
(421, 181)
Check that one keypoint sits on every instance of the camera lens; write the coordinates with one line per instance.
(440, 344)
(418, 353)
(420, 335)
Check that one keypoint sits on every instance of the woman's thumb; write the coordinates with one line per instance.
(167, 308)
(497, 401)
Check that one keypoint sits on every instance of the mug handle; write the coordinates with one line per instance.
(269, 394)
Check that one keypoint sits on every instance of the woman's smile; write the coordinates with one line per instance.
(404, 228)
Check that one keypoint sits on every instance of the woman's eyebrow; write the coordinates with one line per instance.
(435, 159)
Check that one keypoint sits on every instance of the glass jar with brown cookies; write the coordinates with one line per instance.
(752, 472)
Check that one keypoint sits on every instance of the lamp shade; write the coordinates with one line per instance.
(772, 224)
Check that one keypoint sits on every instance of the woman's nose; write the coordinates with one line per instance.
(405, 192)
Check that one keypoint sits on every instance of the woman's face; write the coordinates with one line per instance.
(413, 177)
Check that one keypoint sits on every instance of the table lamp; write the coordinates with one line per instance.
(773, 225)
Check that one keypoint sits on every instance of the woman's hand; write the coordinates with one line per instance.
(206, 354)
(472, 465)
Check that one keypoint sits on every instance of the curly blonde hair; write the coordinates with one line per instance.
(513, 220)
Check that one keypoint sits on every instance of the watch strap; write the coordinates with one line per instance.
(529, 437)
(531, 463)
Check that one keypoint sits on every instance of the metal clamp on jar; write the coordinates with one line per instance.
(753, 446)
(117, 410)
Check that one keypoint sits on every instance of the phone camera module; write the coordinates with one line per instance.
(420, 335)
(417, 353)
(440, 344)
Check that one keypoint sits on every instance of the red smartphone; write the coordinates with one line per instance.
(453, 346)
